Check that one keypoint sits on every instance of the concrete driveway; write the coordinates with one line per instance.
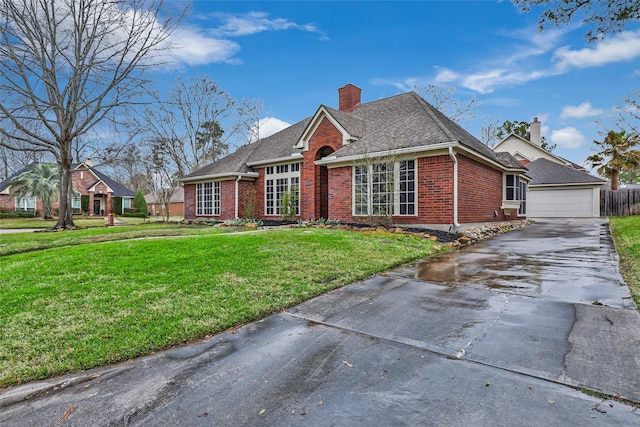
(506, 332)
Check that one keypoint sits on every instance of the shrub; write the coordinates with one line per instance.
(139, 203)
(135, 214)
(84, 203)
(117, 205)
(18, 214)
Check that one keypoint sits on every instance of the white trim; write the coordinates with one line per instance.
(221, 176)
(455, 186)
(275, 176)
(294, 158)
(333, 161)
(395, 193)
(409, 151)
(92, 189)
(576, 184)
(303, 142)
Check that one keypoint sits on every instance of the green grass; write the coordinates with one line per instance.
(626, 234)
(77, 307)
(14, 243)
(80, 221)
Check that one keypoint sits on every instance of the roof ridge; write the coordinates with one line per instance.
(429, 109)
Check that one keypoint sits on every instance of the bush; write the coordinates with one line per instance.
(139, 203)
(84, 203)
(18, 214)
(135, 214)
(117, 205)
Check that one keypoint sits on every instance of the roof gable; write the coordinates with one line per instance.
(527, 150)
(334, 117)
(546, 172)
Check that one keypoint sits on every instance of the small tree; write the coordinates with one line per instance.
(140, 203)
(616, 154)
(289, 204)
(249, 204)
(117, 205)
(41, 181)
(84, 203)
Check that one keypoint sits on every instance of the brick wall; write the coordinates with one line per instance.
(326, 135)
(480, 189)
(479, 193)
(190, 201)
(340, 194)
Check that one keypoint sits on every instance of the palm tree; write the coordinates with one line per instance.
(616, 155)
(41, 181)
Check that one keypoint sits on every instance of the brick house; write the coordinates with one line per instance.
(397, 159)
(86, 181)
(156, 206)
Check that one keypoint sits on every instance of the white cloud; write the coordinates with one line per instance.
(193, 47)
(267, 127)
(534, 58)
(568, 137)
(257, 22)
(620, 47)
(580, 112)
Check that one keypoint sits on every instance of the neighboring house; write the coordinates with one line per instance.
(155, 205)
(86, 181)
(396, 160)
(558, 188)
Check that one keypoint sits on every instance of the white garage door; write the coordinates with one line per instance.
(563, 203)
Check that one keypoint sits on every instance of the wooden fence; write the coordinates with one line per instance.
(621, 202)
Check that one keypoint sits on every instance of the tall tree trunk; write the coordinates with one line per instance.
(614, 179)
(65, 214)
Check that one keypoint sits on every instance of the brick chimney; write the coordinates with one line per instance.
(348, 98)
(534, 132)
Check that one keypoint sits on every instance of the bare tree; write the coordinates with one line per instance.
(196, 124)
(11, 161)
(67, 65)
(489, 132)
(445, 100)
(164, 179)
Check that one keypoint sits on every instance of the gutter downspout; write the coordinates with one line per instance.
(455, 187)
(237, 193)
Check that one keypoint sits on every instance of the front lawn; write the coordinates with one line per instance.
(626, 233)
(77, 307)
(14, 243)
(79, 221)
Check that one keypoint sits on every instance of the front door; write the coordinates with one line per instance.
(96, 206)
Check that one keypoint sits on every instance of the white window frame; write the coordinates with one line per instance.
(524, 187)
(518, 190)
(26, 204)
(367, 197)
(208, 198)
(278, 180)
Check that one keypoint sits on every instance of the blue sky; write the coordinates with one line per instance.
(294, 55)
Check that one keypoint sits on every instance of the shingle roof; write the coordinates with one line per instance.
(276, 146)
(401, 121)
(546, 172)
(508, 160)
(405, 121)
(119, 190)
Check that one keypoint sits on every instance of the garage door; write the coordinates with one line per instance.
(563, 203)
